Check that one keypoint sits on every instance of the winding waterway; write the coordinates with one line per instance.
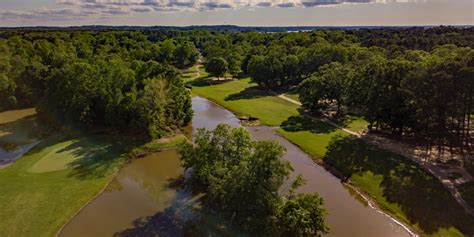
(141, 200)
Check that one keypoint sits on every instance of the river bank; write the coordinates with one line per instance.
(377, 173)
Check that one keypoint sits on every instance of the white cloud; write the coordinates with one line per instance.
(214, 4)
(104, 9)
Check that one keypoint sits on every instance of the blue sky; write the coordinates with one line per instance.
(237, 12)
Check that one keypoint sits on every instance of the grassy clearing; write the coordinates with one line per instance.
(398, 186)
(194, 72)
(354, 123)
(244, 98)
(37, 199)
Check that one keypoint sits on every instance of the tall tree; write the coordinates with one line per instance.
(217, 67)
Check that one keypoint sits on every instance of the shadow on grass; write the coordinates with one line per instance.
(206, 81)
(302, 123)
(248, 93)
(421, 196)
(95, 155)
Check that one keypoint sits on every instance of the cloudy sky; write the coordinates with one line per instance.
(236, 12)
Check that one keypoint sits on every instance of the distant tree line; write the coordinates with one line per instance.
(115, 80)
(410, 81)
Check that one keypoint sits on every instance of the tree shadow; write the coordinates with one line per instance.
(95, 155)
(248, 93)
(302, 123)
(423, 199)
(206, 81)
(170, 222)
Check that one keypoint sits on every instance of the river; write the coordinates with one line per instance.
(141, 200)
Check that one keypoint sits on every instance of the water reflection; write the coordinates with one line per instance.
(19, 132)
(139, 202)
(142, 201)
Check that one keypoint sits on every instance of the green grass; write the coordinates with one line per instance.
(311, 135)
(398, 186)
(44, 188)
(191, 73)
(354, 123)
(293, 95)
(244, 98)
(38, 196)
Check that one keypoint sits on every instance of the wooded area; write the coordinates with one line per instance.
(416, 83)
(118, 80)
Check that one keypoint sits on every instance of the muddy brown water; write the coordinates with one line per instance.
(18, 134)
(141, 200)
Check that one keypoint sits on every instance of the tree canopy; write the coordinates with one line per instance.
(242, 179)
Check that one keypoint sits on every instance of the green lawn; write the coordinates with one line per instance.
(354, 123)
(293, 95)
(311, 135)
(398, 185)
(243, 97)
(40, 192)
(44, 188)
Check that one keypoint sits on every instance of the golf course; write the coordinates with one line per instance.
(377, 173)
(43, 189)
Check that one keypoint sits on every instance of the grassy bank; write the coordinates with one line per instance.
(244, 98)
(398, 186)
(40, 191)
(49, 184)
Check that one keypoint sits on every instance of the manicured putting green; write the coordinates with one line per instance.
(63, 157)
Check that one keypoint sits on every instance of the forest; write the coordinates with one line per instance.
(414, 84)
(116, 80)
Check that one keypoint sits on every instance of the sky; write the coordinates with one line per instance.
(236, 12)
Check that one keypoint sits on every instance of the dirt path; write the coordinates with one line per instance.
(441, 173)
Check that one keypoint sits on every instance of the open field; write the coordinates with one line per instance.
(397, 185)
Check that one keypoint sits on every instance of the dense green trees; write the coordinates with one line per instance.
(217, 67)
(116, 80)
(407, 81)
(326, 87)
(242, 179)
